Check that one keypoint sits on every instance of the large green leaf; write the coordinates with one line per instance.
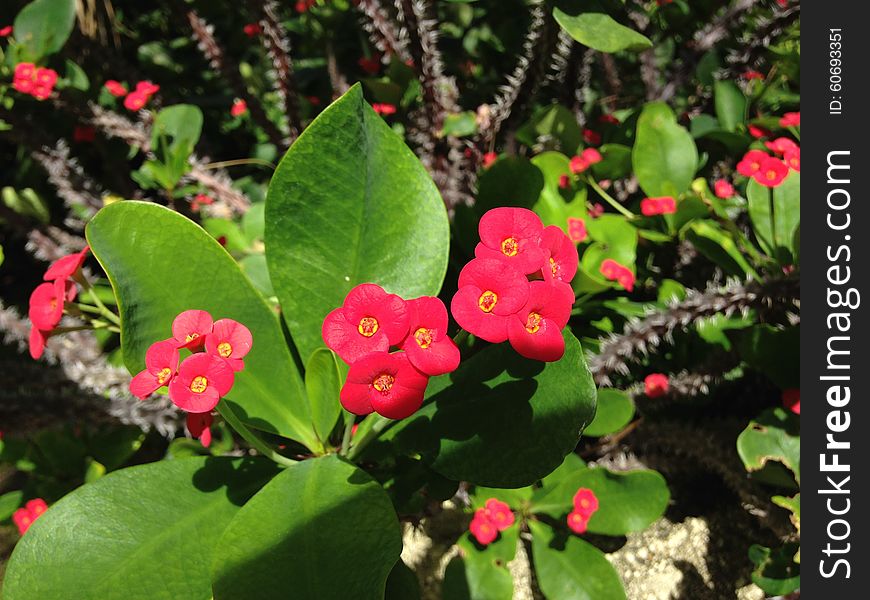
(512, 181)
(588, 23)
(321, 529)
(481, 573)
(143, 533)
(569, 568)
(323, 379)
(664, 154)
(505, 421)
(775, 215)
(730, 104)
(615, 409)
(349, 204)
(774, 435)
(160, 264)
(43, 26)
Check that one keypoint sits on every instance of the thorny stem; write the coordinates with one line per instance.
(348, 432)
(252, 438)
(608, 198)
(369, 436)
(92, 293)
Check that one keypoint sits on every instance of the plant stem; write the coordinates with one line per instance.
(92, 294)
(369, 436)
(348, 432)
(252, 438)
(609, 199)
(239, 162)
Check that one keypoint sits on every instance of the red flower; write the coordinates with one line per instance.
(46, 77)
(564, 181)
(577, 229)
(578, 164)
(758, 132)
(597, 210)
(771, 173)
(656, 385)
(36, 342)
(750, 75)
(585, 502)
(84, 133)
(115, 88)
(781, 145)
(239, 108)
(384, 109)
(199, 201)
(231, 341)
(490, 293)
(536, 330)
(593, 138)
(252, 29)
(387, 384)
(25, 86)
(751, 162)
(791, 399)
(147, 88)
(25, 516)
(370, 320)
(46, 303)
(67, 266)
(577, 522)
(199, 426)
(499, 514)
(790, 119)
(190, 328)
(793, 159)
(201, 381)
(483, 530)
(563, 260)
(609, 119)
(161, 362)
(6, 31)
(371, 66)
(723, 189)
(614, 271)
(304, 5)
(591, 155)
(135, 101)
(512, 235)
(665, 205)
(427, 345)
(489, 158)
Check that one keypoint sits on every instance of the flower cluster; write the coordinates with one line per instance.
(495, 516)
(769, 170)
(586, 159)
(47, 301)
(613, 271)
(198, 383)
(362, 331)
(790, 119)
(26, 515)
(664, 205)
(34, 81)
(135, 100)
(497, 301)
(585, 505)
(656, 385)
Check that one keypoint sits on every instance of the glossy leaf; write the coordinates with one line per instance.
(512, 181)
(664, 155)
(318, 530)
(402, 584)
(615, 410)
(588, 23)
(43, 27)
(555, 123)
(482, 573)
(349, 204)
(730, 104)
(773, 436)
(569, 568)
(323, 382)
(126, 537)
(160, 264)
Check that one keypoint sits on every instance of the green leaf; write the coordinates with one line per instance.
(160, 264)
(775, 215)
(718, 245)
(569, 568)
(349, 204)
(174, 135)
(76, 76)
(664, 154)
(615, 410)
(9, 503)
(615, 162)
(482, 573)
(469, 430)
(402, 584)
(319, 529)
(588, 23)
(775, 572)
(554, 124)
(515, 498)
(551, 205)
(43, 27)
(126, 537)
(460, 124)
(323, 379)
(730, 104)
(512, 181)
(255, 268)
(773, 435)
(114, 445)
(570, 465)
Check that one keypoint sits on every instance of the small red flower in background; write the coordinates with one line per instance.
(781, 145)
(656, 385)
(758, 132)
(665, 205)
(577, 523)
(793, 159)
(791, 399)
(201, 381)
(621, 274)
(723, 188)
(536, 330)
(563, 260)
(387, 384)
(370, 66)
(161, 363)
(593, 138)
(36, 82)
(147, 88)
(499, 514)
(490, 293)
(231, 341)
(239, 108)
(303, 5)
(790, 119)
(190, 327)
(84, 133)
(199, 426)
(585, 502)
(512, 235)
(597, 210)
(384, 109)
(586, 159)
(564, 182)
(577, 229)
(482, 528)
(750, 75)
(199, 201)
(6, 31)
(252, 29)
(751, 162)
(369, 320)
(427, 344)
(609, 119)
(66, 266)
(25, 516)
(489, 158)
(115, 88)
(772, 172)
(139, 97)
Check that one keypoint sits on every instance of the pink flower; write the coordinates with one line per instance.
(24, 71)
(781, 145)
(25, 86)
(239, 108)
(758, 132)
(563, 261)
(387, 384)
(384, 109)
(591, 155)
(115, 88)
(772, 172)
(190, 327)
(370, 320)
(614, 271)
(790, 119)
(585, 502)
(490, 293)
(229, 340)
(6, 31)
(201, 381)
(499, 514)
(665, 205)
(135, 101)
(577, 229)
(25, 516)
(750, 75)
(489, 158)
(723, 189)
(147, 88)
(751, 162)
(66, 266)
(161, 363)
(597, 210)
(427, 345)
(47, 301)
(577, 522)
(536, 330)
(793, 159)
(791, 399)
(46, 77)
(199, 426)
(483, 530)
(36, 342)
(656, 385)
(199, 201)
(512, 235)
(578, 164)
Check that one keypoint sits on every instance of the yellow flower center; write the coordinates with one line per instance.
(487, 301)
(225, 349)
(510, 246)
(424, 337)
(368, 326)
(554, 267)
(533, 322)
(199, 384)
(191, 336)
(164, 375)
(383, 383)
